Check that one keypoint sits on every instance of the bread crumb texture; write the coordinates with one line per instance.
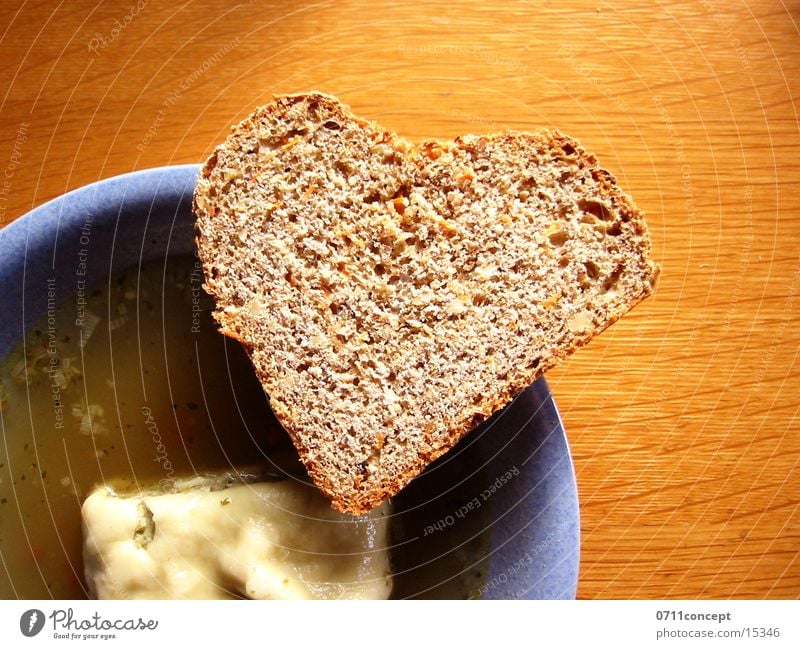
(393, 295)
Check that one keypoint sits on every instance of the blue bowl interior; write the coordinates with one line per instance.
(515, 469)
(512, 476)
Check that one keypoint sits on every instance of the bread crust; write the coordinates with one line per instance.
(212, 215)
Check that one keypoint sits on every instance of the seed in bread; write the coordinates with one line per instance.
(394, 295)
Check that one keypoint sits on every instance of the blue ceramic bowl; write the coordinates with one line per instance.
(514, 469)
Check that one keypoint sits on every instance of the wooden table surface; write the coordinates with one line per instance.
(683, 417)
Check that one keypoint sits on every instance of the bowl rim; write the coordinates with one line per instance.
(84, 191)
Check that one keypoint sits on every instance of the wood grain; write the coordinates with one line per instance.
(683, 418)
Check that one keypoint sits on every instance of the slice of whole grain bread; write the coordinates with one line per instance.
(393, 295)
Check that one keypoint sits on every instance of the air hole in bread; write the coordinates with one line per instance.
(568, 149)
(210, 164)
(592, 270)
(559, 238)
(407, 224)
(614, 231)
(610, 282)
(379, 269)
(402, 192)
(595, 208)
(392, 158)
(332, 126)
